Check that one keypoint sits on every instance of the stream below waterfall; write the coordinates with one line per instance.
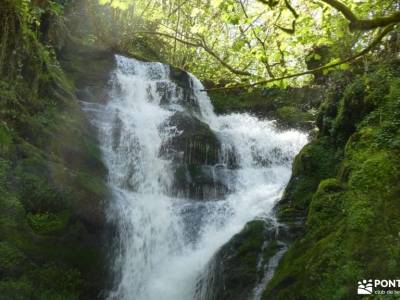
(183, 179)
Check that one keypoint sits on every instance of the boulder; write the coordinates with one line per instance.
(195, 142)
(243, 266)
(197, 163)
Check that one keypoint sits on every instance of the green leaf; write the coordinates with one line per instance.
(317, 56)
(344, 67)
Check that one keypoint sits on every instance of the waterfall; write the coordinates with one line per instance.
(183, 179)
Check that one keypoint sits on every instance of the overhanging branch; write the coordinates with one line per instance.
(193, 44)
(363, 24)
(292, 10)
(200, 44)
(373, 44)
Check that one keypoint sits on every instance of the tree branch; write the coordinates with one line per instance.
(193, 44)
(288, 30)
(200, 44)
(363, 24)
(292, 10)
(222, 62)
(373, 44)
(265, 61)
(270, 3)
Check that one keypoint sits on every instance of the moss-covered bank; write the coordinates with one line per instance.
(345, 191)
(52, 186)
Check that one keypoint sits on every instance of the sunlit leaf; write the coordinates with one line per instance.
(344, 67)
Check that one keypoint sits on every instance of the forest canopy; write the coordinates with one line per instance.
(251, 42)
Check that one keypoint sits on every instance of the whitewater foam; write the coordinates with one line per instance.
(165, 242)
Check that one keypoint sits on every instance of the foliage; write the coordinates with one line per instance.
(245, 41)
(28, 68)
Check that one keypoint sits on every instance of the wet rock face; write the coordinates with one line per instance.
(202, 182)
(243, 264)
(202, 169)
(195, 142)
(89, 69)
(182, 94)
(196, 153)
(202, 166)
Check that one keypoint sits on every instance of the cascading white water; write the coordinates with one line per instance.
(165, 241)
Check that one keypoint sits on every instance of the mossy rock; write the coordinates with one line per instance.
(12, 260)
(16, 289)
(294, 117)
(235, 266)
(327, 203)
(52, 179)
(88, 67)
(48, 223)
(241, 264)
(351, 229)
(316, 161)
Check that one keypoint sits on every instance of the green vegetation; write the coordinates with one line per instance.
(50, 214)
(315, 162)
(250, 43)
(351, 202)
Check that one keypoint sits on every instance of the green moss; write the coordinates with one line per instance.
(13, 213)
(51, 176)
(237, 270)
(48, 223)
(39, 196)
(47, 283)
(4, 169)
(249, 247)
(352, 223)
(59, 280)
(326, 204)
(316, 161)
(12, 260)
(293, 116)
(16, 289)
(5, 137)
(351, 109)
(372, 172)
